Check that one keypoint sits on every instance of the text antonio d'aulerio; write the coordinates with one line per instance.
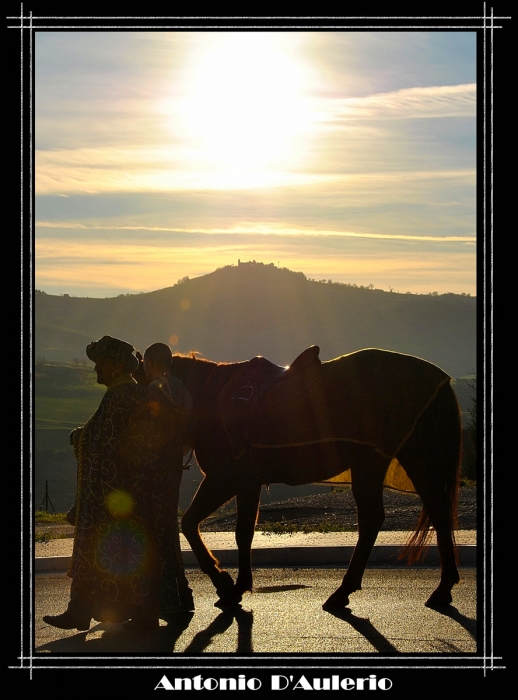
(277, 682)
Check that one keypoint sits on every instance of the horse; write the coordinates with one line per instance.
(257, 423)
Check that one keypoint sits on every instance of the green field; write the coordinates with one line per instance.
(65, 398)
(53, 413)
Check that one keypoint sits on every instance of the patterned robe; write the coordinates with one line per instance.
(126, 557)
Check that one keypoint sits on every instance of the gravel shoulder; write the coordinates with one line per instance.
(338, 508)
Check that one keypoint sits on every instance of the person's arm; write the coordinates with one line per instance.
(75, 438)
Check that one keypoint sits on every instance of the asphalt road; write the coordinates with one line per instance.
(284, 615)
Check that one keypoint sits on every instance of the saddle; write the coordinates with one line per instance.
(239, 401)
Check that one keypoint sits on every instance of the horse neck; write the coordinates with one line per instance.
(220, 375)
(204, 379)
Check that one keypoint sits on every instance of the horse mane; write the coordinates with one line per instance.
(191, 355)
(198, 356)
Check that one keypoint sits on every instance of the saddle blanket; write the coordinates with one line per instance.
(372, 397)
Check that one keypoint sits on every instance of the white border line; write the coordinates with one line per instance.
(32, 19)
(341, 27)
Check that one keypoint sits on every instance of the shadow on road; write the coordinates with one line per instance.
(367, 630)
(117, 639)
(469, 624)
(244, 619)
(279, 589)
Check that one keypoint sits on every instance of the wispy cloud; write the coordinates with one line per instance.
(255, 229)
(409, 103)
(92, 171)
(95, 171)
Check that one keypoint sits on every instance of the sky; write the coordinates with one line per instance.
(348, 156)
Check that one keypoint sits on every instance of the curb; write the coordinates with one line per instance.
(295, 556)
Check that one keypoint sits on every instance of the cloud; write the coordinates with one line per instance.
(415, 205)
(408, 103)
(98, 170)
(253, 229)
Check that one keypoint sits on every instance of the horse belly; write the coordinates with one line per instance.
(309, 463)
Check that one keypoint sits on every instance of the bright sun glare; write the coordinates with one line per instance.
(244, 104)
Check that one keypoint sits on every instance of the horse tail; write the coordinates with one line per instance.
(439, 486)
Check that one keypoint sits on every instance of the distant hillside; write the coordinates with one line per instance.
(237, 312)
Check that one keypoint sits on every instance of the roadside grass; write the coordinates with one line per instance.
(286, 528)
(42, 516)
(47, 536)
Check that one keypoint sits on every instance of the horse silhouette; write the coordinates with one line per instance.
(373, 418)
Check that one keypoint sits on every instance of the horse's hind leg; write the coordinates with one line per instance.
(431, 459)
(436, 506)
(209, 497)
(436, 509)
(367, 488)
(449, 572)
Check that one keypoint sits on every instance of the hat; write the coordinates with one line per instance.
(114, 349)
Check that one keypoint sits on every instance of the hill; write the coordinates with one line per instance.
(237, 312)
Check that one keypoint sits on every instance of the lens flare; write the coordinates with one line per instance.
(119, 503)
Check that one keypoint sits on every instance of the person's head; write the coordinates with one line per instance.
(112, 357)
(157, 360)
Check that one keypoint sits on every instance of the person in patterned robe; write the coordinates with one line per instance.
(126, 564)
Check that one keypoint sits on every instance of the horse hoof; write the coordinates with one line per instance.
(244, 586)
(439, 600)
(335, 602)
(225, 587)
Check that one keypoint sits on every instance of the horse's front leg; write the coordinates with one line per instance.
(208, 498)
(247, 511)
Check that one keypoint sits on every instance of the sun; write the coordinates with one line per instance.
(244, 104)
